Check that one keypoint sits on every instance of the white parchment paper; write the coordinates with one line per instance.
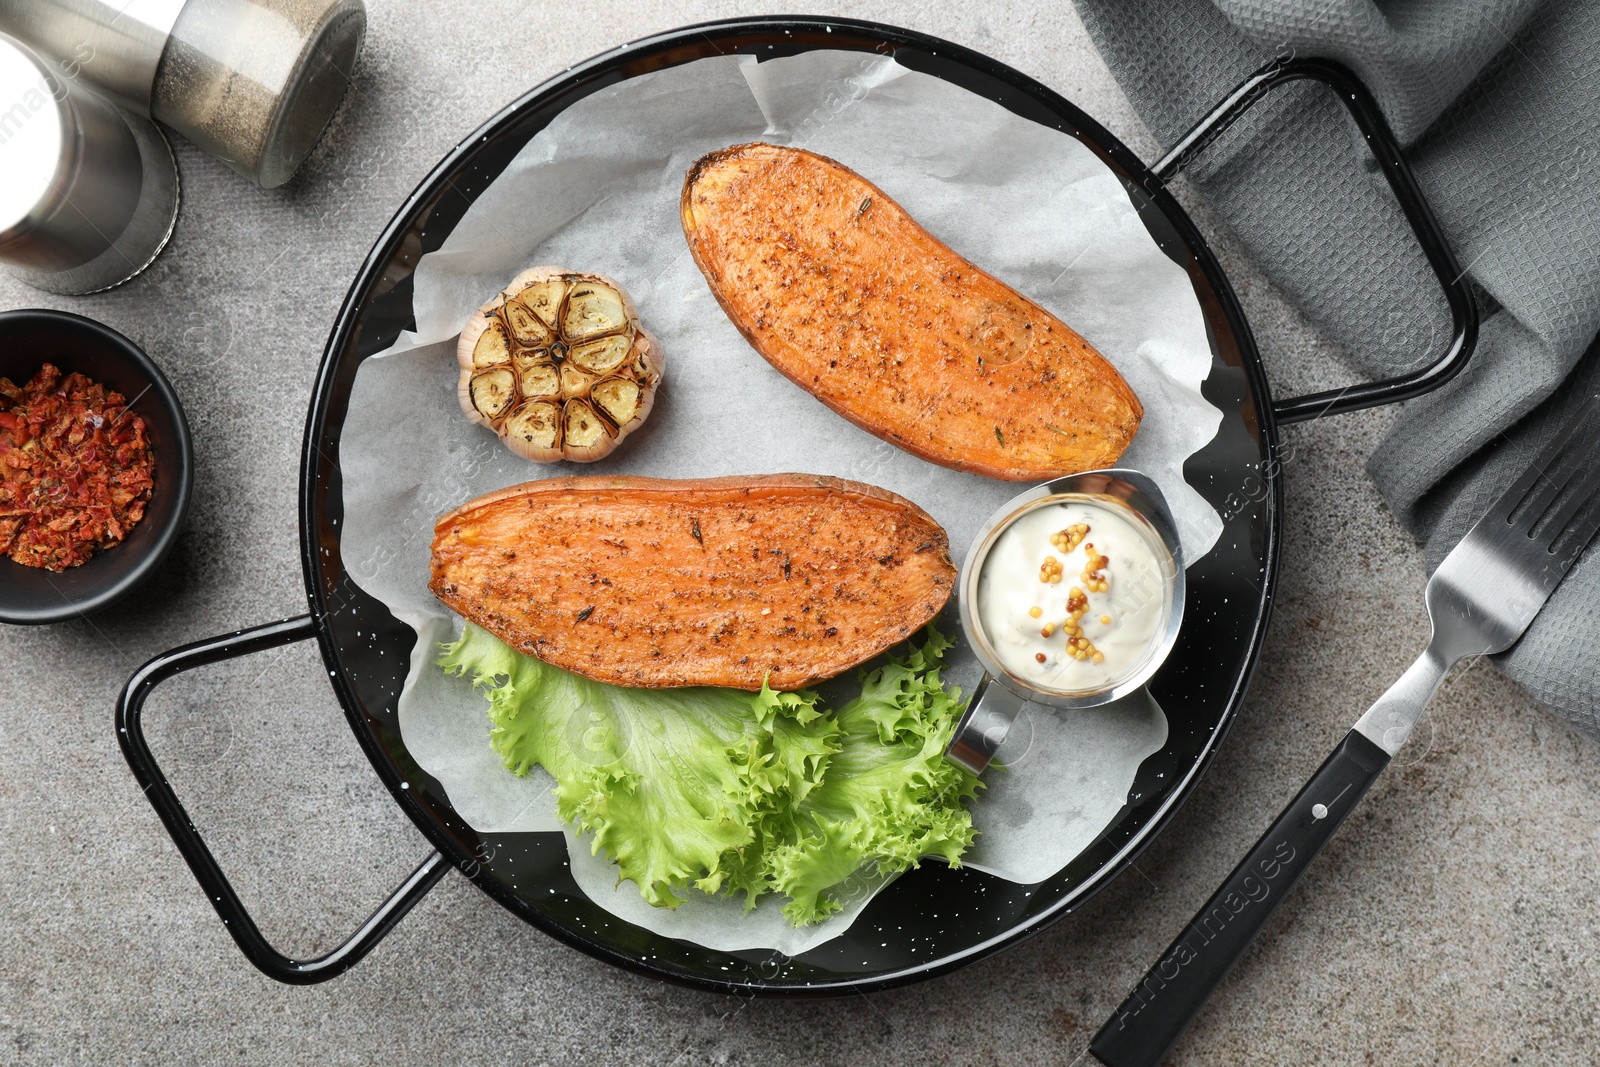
(598, 190)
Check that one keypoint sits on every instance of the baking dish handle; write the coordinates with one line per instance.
(130, 733)
(1392, 162)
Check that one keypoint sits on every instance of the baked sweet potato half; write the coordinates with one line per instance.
(850, 298)
(787, 578)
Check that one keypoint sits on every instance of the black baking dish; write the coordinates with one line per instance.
(932, 920)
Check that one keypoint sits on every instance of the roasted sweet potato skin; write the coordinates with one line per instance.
(846, 295)
(787, 578)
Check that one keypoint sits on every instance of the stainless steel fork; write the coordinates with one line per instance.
(1480, 600)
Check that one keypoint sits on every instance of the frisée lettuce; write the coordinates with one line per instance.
(724, 791)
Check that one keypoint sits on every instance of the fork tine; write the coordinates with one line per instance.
(1571, 545)
(1514, 497)
(1563, 470)
(1580, 496)
(1578, 519)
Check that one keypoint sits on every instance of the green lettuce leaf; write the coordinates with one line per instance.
(889, 797)
(733, 792)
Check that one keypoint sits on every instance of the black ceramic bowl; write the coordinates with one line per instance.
(31, 338)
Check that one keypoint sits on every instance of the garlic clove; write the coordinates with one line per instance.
(593, 309)
(536, 428)
(618, 399)
(581, 427)
(602, 356)
(526, 327)
(544, 299)
(492, 348)
(575, 382)
(494, 391)
(538, 378)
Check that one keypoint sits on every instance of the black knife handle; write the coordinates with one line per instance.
(1163, 1004)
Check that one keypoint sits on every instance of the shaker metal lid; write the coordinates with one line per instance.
(32, 127)
(88, 192)
(116, 43)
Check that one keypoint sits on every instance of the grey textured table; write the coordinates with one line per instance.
(1456, 920)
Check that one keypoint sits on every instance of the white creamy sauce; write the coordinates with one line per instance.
(1120, 623)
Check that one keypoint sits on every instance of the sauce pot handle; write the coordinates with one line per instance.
(130, 733)
(984, 726)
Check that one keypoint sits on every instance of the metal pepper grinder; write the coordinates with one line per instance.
(253, 82)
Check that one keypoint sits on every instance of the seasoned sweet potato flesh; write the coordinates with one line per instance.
(846, 295)
(727, 581)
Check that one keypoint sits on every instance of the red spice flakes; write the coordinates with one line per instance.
(75, 469)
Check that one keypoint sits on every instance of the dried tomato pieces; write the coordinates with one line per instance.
(76, 469)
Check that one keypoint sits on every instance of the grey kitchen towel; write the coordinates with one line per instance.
(1498, 105)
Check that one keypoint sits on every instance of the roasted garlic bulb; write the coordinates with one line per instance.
(558, 366)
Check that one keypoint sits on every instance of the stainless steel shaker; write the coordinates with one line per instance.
(88, 192)
(253, 82)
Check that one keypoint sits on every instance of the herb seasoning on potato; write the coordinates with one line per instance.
(558, 365)
(846, 295)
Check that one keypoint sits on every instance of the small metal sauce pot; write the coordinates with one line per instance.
(1001, 695)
